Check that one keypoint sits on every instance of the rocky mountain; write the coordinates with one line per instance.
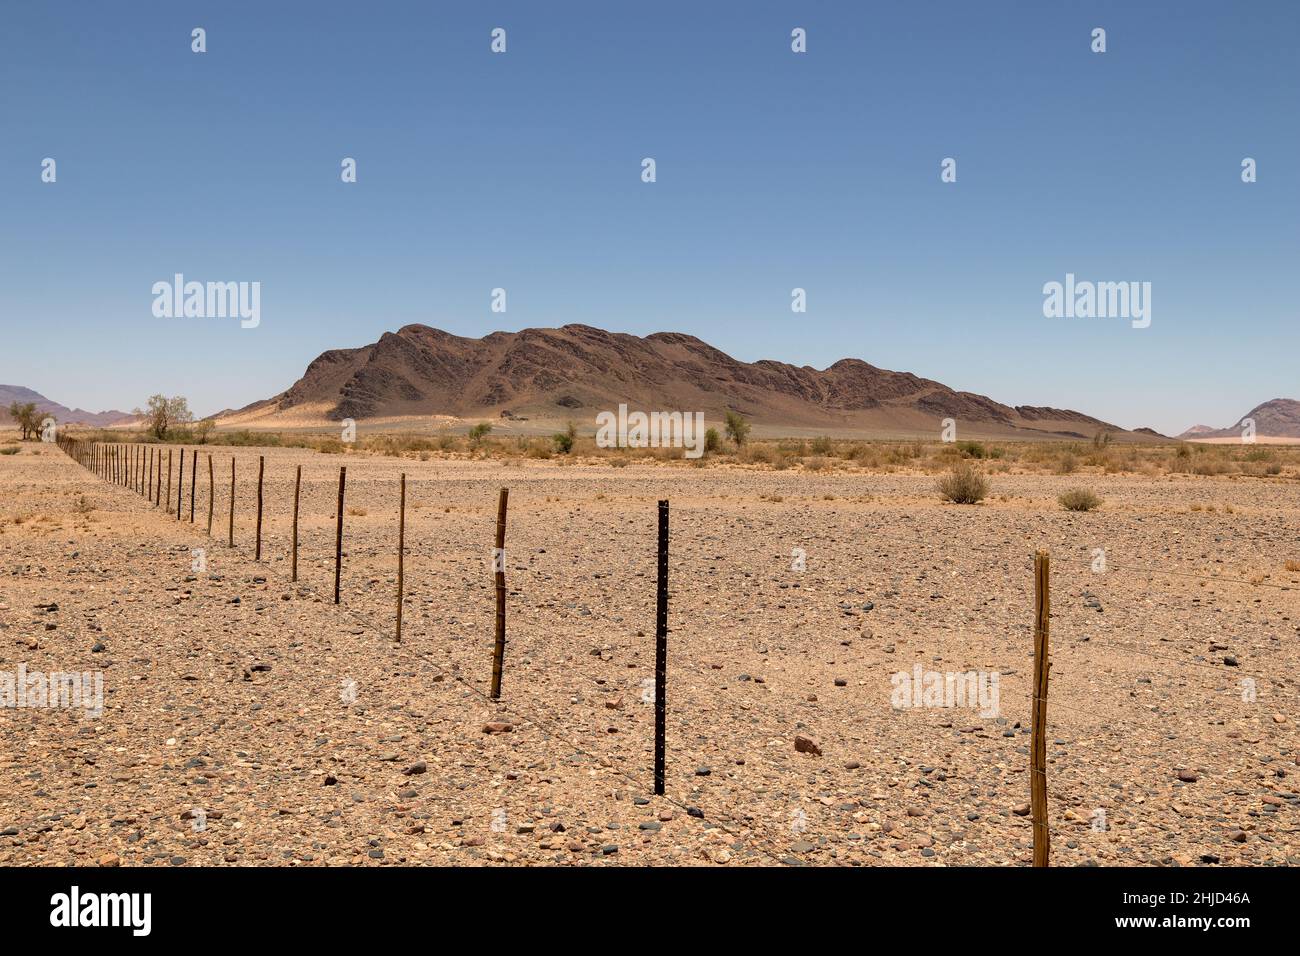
(575, 371)
(61, 413)
(1276, 418)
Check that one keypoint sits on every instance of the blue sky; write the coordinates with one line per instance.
(775, 170)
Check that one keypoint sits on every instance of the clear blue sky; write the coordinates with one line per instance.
(775, 170)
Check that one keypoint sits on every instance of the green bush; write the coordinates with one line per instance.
(564, 440)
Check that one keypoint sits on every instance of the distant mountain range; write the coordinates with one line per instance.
(1277, 418)
(575, 371)
(60, 413)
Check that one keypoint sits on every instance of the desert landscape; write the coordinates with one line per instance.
(297, 732)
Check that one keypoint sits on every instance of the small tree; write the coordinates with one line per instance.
(712, 440)
(737, 428)
(564, 440)
(203, 430)
(479, 432)
(163, 413)
(26, 418)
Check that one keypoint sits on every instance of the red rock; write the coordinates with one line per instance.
(806, 745)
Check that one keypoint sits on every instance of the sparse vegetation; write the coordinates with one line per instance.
(964, 485)
(1079, 499)
(27, 418)
(737, 428)
(564, 440)
(162, 414)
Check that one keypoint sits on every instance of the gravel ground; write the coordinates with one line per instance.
(247, 720)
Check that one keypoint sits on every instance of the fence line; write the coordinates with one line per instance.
(129, 470)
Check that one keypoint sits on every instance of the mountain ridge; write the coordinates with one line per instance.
(61, 413)
(558, 372)
(1276, 418)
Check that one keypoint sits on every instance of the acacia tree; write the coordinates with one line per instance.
(26, 418)
(164, 412)
(737, 428)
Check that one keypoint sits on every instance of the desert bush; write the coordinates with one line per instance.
(479, 432)
(737, 428)
(9, 450)
(712, 441)
(815, 463)
(822, 445)
(1066, 464)
(972, 449)
(1079, 499)
(963, 485)
(564, 440)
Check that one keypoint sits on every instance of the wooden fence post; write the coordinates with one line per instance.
(212, 495)
(232, 502)
(149, 480)
(180, 485)
(297, 492)
(338, 534)
(194, 475)
(261, 467)
(1038, 751)
(401, 554)
(661, 650)
(499, 572)
(169, 481)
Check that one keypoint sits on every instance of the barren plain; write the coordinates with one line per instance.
(248, 720)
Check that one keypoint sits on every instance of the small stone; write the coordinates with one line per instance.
(416, 768)
(1022, 810)
(497, 727)
(1187, 776)
(806, 745)
(110, 859)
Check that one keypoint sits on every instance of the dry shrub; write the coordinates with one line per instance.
(1079, 499)
(963, 485)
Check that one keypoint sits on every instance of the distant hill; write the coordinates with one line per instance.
(575, 371)
(1277, 418)
(61, 413)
